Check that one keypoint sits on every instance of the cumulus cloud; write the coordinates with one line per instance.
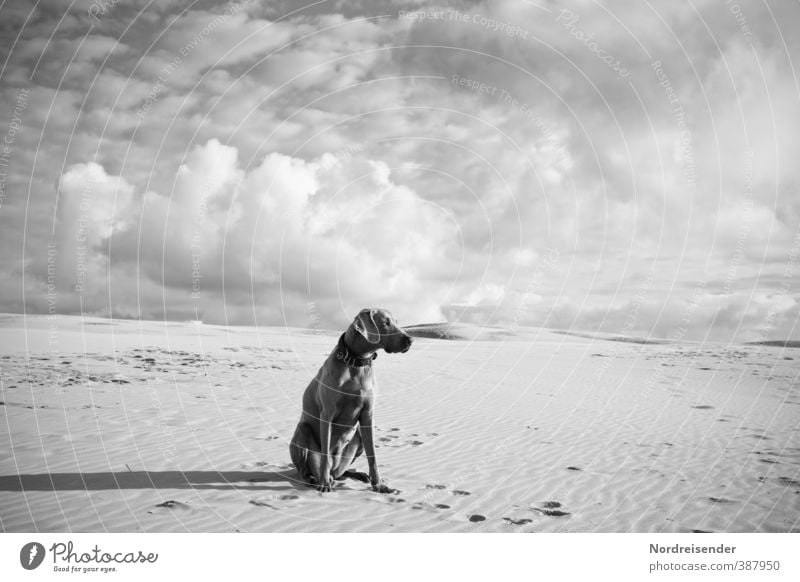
(325, 236)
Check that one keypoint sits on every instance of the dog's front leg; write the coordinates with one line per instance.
(365, 423)
(325, 481)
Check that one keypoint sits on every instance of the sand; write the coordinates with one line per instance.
(131, 426)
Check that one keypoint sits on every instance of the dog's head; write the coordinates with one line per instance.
(380, 330)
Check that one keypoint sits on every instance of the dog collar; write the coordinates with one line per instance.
(343, 355)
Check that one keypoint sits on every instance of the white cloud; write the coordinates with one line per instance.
(339, 233)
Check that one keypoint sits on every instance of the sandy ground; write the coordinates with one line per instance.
(151, 426)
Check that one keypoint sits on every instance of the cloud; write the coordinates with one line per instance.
(333, 232)
(307, 164)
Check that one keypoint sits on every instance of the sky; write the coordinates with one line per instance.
(622, 167)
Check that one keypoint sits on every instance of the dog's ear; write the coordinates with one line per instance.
(366, 326)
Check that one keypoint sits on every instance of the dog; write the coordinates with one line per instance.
(336, 423)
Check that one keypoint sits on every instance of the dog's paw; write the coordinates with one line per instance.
(382, 488)
(326, 485)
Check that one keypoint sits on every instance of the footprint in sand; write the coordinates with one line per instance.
(476, 517)
(514, 521)
(387, 499)
(703, 407)
(551, 512)
(423, 505)
(438, 487)
(392, 440)
(574, 469)
(172, 504)
(268, 501)
(719, 500)
(550, 509)
(789, 482)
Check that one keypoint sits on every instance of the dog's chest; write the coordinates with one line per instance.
(352, 397)
(358, 382)
(355, 393)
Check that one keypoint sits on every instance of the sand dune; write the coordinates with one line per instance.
(460, 331)
(152, 426)
(777, 343)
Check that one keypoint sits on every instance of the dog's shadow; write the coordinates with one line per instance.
(221, 480)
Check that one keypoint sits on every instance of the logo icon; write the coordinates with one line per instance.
(31, 555)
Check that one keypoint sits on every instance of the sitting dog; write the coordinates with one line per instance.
(336, 423)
